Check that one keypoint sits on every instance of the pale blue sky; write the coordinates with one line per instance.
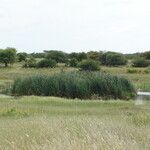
(75, 25)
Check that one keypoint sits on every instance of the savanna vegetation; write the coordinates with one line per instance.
(102, 121)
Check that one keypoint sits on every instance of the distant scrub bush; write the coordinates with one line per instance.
(89, 65)
(73, 62)
(140, 62)
(132, 71)
(46, 63)
(81, 85)
(30, 63)
(113, 59)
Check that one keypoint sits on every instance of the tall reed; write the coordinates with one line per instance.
(81, 85)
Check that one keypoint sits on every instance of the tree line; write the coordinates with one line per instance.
(49, 58)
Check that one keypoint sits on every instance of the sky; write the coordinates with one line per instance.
(75, 25)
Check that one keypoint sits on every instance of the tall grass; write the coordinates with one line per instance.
(81, 85)
(50, 123)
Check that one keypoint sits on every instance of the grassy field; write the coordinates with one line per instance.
(54, 123)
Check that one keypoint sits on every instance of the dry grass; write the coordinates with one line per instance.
(54, 123)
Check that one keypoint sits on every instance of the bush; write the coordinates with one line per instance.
(81, 85)
(79, 56)
(73, 62)
(140, 71)
(140, 62)
(113, 59)
(89, 65)
(58, 56)
(30, 63)
(22, 57)
(94, 55)
(46, 63)
(146, 55)
(132, 71)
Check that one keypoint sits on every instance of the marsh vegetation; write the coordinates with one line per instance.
(46, 122)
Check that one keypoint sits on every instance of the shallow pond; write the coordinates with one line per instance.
(141, 96)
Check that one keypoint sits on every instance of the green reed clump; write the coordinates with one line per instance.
(81, 85)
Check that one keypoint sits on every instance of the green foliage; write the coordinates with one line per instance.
(73, 62)
(79, 56)
(73, 56)
(89, 65)
(30, 63)
(146, 55)
(94, 55)
(82, 56)
(132, 71)
(113, 59)
(140, 62)
(140, 71)
(81, 85)
(22, 56)
(7, 56)
(46, 63)
(38, 55)
(58, 56)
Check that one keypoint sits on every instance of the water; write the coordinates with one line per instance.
(141, 96)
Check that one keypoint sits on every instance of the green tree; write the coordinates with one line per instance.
(94, 55)
(46, 63)
(22, 56)
(8, 56)
(73, 56)
(82, 56)
(113, 59)
(88, 65)
(73, 62)
(146, 55)
(58, 56)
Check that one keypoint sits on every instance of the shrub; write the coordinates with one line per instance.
(81, 85)
(46, 63)
(58, 56)
(146, 55)
(146, 71)
(30, 63)
(22, 56)
(94, 55)
(140, 62)
(132, 71)
(79, 56)
(88, 65)
(113, 59)
(73, 62)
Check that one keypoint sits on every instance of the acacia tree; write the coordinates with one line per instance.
(7, 56)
